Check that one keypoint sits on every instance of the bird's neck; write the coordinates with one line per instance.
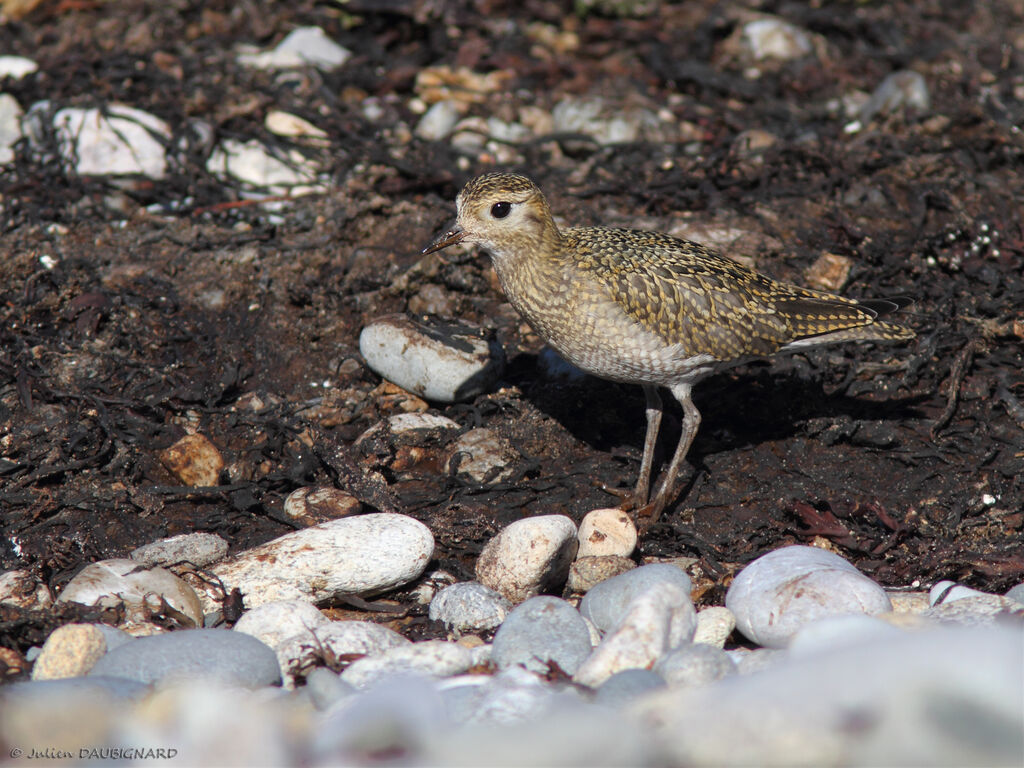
(531, 269)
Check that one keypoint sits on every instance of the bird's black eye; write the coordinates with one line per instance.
(501, 210)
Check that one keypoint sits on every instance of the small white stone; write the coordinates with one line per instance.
(438, 121)
(362, 555)
(274, 623)
(23, 589)
(444, 367)
(304, 46)
(255, 167)
(335, 639)
(110, 583)
(115, 141)
(434, 657)
(198, 549)
(783, 590)
(286, 124)
(10, 126)
(655, 622)
(402, 423)
(775, 39)
(606, 532)
(948, 591)
(16, 67)
(905, 89)
(714, 625)
(469, 606)
(313, 505)
(483, 456)
(528, 556)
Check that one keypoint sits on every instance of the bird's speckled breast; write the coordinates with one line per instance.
(577, 317)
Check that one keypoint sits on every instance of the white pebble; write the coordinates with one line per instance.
(606, 532)
(362, 555)
(434, 657)
(528, 556)
(655, 622)
(116, 582)
(444, 366)
(714, 625)
(783, 590)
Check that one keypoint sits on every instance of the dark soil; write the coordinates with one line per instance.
(186, 309)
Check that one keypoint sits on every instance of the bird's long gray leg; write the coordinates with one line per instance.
(654, 411)
(691, 422)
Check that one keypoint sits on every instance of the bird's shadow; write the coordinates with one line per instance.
(748, 405)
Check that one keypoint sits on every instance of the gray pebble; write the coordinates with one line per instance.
(273, 623)
(219, 654)
(655, 622)
(978, 610)
(622, 687)
(469, 606)
(587, 572)
(695, 664)
(837, 631)
(1016, 593)
(482, 456)
(200, 549)
(435, 658)
(540, 630)
(606, 603)
(326, 687)
(940, 696)
(445, 364)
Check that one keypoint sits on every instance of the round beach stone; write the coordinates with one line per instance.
(443, 363)
(317, 504)
(362, 555)
(654, 622)
(783, 590)
(469, 607)
(948, 591)
(1016, 593)
(273, 623)
(199, 549)
(608, 602)
(627, 685)
(980, 609)
(695, 664)
(337, 639)
(111, 583)
(69, 651)
(528, 556)
(23, 589)
(587, 572)
(837, 631)
(714, 625)
(606, 532)
(541, 630)
(483, 456)
(220, 654)
(436, 658)
(325, 687)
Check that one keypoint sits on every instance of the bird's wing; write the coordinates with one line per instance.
(688, 294)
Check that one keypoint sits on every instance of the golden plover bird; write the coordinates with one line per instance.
(647, 308)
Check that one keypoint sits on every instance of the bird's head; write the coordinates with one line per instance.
(504, 213)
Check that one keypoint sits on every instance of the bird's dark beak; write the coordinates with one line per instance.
(451, 237)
